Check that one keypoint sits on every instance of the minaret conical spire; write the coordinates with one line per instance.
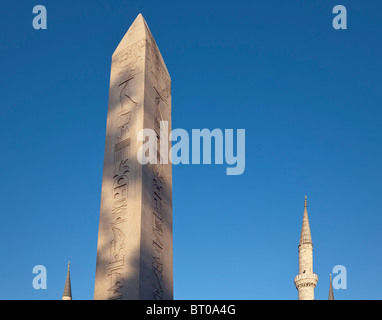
(331, 295)
(67, 295)
(306, 280)
(306, 236)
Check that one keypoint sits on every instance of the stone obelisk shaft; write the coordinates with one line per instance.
(134, 252)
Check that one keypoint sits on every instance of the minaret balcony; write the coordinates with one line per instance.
(306, 280)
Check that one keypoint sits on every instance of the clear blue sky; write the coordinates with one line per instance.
(308, 96)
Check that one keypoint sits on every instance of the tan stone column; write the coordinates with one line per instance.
(134, 251)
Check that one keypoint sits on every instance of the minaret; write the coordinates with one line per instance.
(331, 295)
(67, 289)
(306, 280)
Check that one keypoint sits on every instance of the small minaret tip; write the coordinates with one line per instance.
(306, 202)
(331, 294)
(67, 295)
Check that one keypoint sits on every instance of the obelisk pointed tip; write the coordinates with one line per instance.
(137, 31)
(139, 20)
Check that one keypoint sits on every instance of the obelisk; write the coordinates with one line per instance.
(134, 251)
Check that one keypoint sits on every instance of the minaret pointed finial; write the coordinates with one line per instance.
(67, 295)
(331, 295)
(306, 236)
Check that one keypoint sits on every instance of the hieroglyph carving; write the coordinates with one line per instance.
(158, 233)
(120, 189)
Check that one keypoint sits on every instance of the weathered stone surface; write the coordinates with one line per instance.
(134, 252)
